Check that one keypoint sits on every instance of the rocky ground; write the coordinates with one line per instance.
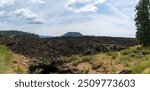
(46, 54)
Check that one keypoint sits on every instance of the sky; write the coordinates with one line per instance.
(56, 17)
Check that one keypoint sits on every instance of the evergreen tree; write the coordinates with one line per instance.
(142, 20)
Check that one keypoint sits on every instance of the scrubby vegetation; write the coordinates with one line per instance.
(143, 61)
(135, 60)
(11, 62)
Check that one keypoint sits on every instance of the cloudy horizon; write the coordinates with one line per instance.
(56, 17)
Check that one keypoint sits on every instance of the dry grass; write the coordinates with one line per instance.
(136, 59)
(19, 64)
(11, 63)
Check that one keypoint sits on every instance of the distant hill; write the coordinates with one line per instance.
(72, 34)
(44, 36)
(17, 34)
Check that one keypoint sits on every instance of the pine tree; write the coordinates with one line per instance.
(142, 20)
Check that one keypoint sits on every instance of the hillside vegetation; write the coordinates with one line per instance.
(17, 34)
(11, 62)
(135, 60)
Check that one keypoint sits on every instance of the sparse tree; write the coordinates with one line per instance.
(142, 20)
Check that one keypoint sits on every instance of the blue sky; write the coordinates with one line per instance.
(56, 17)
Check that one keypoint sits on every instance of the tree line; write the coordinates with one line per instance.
(17, 34)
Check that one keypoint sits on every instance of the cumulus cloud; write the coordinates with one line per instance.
(37, 1)
(2, 13)
(6, 2)
(117, 14)
(27, 15)
(78, 6)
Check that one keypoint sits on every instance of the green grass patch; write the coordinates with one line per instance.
(139, 68)
(5, 59)
(129, 51)
(135, 59)
(77, 60)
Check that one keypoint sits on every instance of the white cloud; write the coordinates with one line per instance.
(2, 13)
(37, 1)
(27, 15)
(78, 6)
(117, 14)
(6, 2)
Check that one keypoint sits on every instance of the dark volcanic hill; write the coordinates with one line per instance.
(72, 34)
(44, 36)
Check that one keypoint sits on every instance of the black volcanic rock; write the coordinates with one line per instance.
(72, 34)
(47, 55)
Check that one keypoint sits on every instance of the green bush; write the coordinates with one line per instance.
(85, 71)
(20, 69)
(87, 58)
(73, 58)
(113, 55)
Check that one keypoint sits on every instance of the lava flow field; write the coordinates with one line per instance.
(45, 53)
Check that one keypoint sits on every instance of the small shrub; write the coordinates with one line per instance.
(87, 58)
(73, 58)
(96, 66)
(113, 55)
(20, 69)
(85, 71)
